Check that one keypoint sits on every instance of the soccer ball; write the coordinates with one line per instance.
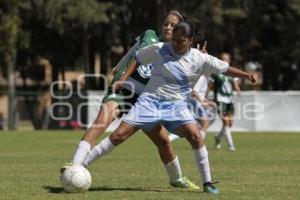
(76, 179)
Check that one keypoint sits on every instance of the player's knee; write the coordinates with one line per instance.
(196, 141)
(118, 137)
(163, 144)
(205, 124)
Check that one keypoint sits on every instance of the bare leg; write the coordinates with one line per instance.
(108, 112)
(122, 133)
(190, 132)
(160, 138)
(227, 123)
(204, 126)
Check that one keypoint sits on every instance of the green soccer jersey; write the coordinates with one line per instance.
(141, 76)
(128, 95)
(223, 88)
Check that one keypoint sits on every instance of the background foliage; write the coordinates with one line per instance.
(70, 32)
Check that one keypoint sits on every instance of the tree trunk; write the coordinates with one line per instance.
(11, 87)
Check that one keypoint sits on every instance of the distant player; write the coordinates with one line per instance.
(223, 87)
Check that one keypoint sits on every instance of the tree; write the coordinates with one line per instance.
(9, 31)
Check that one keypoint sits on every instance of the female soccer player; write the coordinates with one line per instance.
(223, 87)
(176, 68)
(116, 102)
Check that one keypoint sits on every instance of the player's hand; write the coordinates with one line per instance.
(252, 78)
(205, 104)
(203, 48)
(211, 103)
(194, 94)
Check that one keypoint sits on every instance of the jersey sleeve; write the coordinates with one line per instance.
(213, 65)
(197, 85)
(147, 38)
(148, 54)
(125, 61)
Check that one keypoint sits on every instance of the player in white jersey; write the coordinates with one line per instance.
(176, 68)
(115, 102)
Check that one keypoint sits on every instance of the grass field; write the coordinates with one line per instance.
(265, 166)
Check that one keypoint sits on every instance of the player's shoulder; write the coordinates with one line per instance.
(150, 32)
(157, 45)
(151, 35)
(198, 55)
(198, 52)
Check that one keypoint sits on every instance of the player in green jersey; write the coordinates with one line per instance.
(117, 102)
(223, 95)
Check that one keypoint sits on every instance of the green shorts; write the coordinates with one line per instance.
(225, 108)
(125, 99)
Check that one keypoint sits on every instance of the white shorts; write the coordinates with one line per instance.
(148, 112)
(196, 108)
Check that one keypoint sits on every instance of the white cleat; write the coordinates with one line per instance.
(231, 148)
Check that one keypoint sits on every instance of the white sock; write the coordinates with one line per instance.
(173, 137)
(202, 133)
(82, 150)
(201, 156)
(174, 171)
(102, 148)
(228, 137)
(220, 134)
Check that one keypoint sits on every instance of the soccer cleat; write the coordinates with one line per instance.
(231, 148)
(185, 183)
(65, 166)
(210, 188)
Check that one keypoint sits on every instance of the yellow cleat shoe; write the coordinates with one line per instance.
(185, 183)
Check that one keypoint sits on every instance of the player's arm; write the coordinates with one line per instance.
(231, 71)
(203, 47)
(131, 68)
(197, 96)
(146, 55)
(147, 38)
(210, 87)
(213, 65)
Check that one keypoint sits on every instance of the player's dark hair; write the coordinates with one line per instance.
(186, 29)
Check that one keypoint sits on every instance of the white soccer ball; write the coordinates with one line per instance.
(76, 179)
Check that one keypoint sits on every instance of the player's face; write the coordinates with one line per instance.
(181, 43)
(167, 27)
(226, 57)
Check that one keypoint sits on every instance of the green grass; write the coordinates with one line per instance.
(265, 166)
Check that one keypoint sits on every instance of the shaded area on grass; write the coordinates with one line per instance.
(58, 190)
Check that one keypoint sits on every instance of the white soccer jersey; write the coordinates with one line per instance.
(201, 87)
(173, 75)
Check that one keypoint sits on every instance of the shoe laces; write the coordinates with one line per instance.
(211, 184)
